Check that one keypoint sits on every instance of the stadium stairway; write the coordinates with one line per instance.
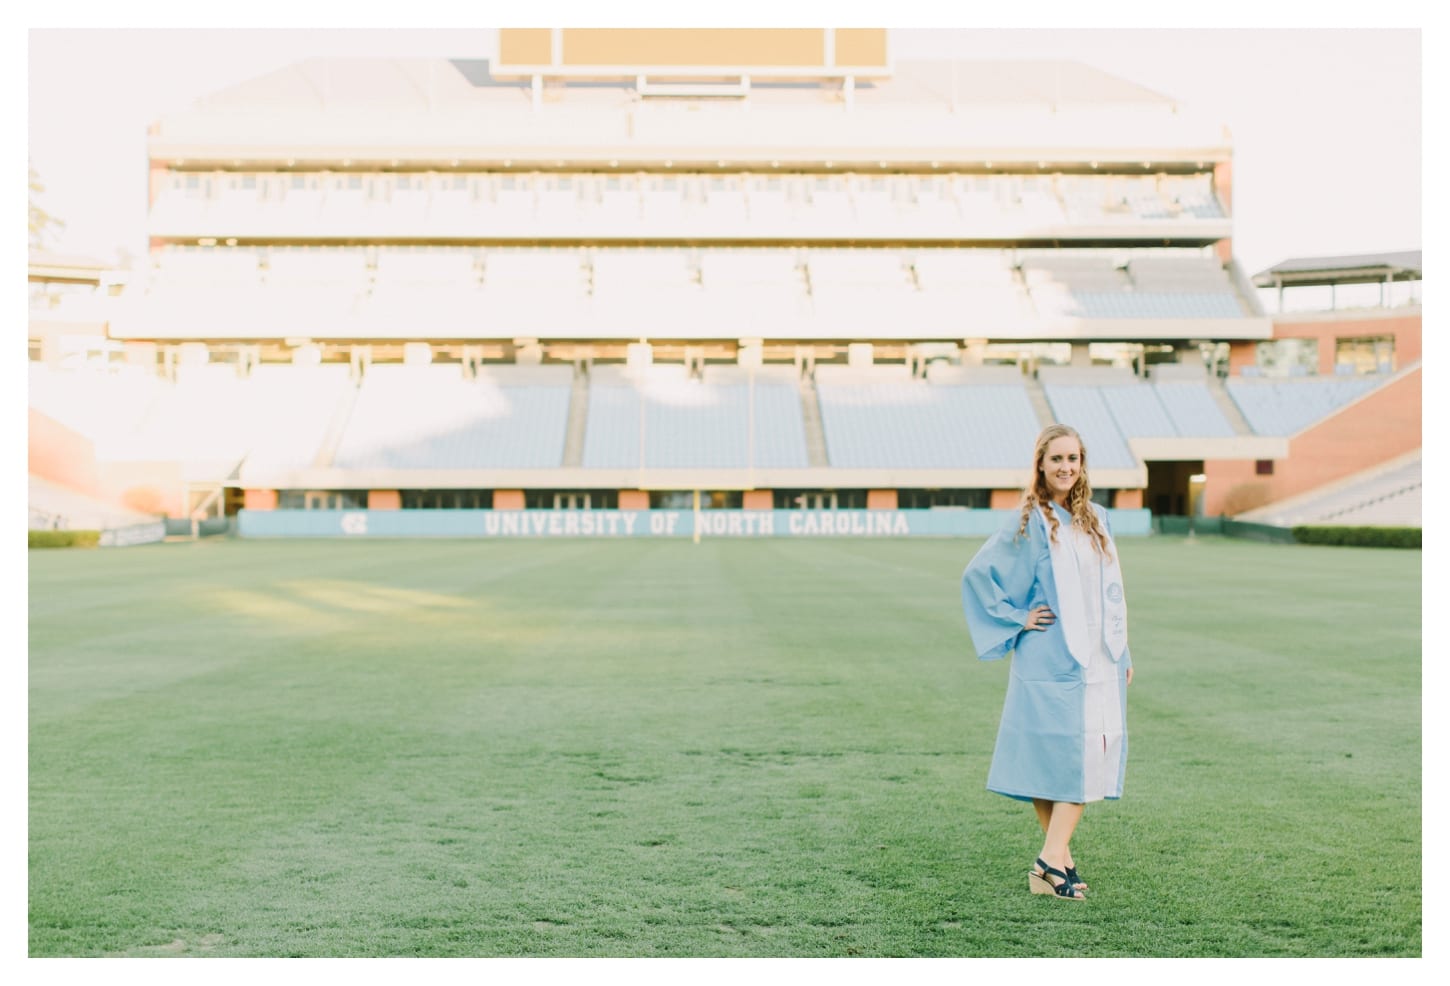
(337, 427)
(1228, 406)
(811, 418)
(1038, 397)
(578, 420)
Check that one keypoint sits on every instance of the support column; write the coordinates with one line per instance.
(385, 500)
(259, 499)
(881, 499)
(758, 500)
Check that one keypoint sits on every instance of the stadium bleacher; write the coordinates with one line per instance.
(645, 204)
(433, 417)
(880, 417)
(589, 222)
(1282, 407)
(1085, 407)
(660, 417)
(291, 409)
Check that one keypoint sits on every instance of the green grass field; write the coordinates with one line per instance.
(638, 748)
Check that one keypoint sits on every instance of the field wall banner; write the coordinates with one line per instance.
(120, 537)
(641, 523)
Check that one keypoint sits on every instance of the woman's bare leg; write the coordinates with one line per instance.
(1043, 808)
(1063, 821)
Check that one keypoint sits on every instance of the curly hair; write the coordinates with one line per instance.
(1036, 495)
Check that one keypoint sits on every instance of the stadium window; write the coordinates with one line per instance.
(447, 499)
(1368, 354)
(321, 500)
(943, 499)
(820, 499)
(1264, 467)
(571, 499)
(1123, 354)
(685, 499)
(1288, 357)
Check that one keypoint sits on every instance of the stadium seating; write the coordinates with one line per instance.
(978, 284)
(431, 417)
(422, 205)
(726, 204)
(1284, 407)
(195, 421)
(1098, 285)
(1193, 410)
(528, 287)
(1390, 495)
(52, 506)
(1138, 411)
(1086, 408)
(658, 417)
(855, 286)
(743, 286)
(879, 417)
(1194, 195)
(289, 410)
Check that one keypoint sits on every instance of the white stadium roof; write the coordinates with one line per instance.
(956, 113)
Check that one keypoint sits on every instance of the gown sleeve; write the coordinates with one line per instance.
(996, 586)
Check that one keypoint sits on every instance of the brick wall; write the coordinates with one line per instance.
(1380, 427)
(1406, 330)
(61, 455)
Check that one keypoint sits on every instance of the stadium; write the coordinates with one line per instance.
(677, 286)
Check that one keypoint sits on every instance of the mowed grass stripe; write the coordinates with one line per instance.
(732, 748)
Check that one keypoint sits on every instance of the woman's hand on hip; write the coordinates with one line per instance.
(1039, 619)
(1130, 675)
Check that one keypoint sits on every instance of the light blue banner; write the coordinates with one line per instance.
(642, 523)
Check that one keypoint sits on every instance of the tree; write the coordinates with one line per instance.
(42, 223)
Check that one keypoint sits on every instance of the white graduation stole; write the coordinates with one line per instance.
(1071, 615)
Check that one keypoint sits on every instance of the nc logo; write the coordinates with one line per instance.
(354, 523)
(1115, 593)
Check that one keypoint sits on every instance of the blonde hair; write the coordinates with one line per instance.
(1036, 496)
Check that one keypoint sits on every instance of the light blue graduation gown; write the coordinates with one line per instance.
(1040, 742)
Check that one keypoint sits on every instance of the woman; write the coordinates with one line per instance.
(1047, 587)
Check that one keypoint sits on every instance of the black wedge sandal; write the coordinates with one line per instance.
(1075, 878)
(1039, 883)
